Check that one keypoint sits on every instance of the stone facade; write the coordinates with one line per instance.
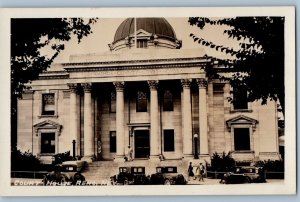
(93, 100)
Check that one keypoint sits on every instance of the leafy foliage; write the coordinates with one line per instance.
(271, 165)
(29, 39)
(222, 163)
(61, 157)
(258, 64)
(24, 161)
(29, 36)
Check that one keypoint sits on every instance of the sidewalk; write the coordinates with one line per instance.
(208, 181)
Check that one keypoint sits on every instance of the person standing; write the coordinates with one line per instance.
(130, 152)
(190, 171)
(200, 171)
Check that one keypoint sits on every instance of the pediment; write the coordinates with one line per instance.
(142, 33)
(48, 124)
(241, 119)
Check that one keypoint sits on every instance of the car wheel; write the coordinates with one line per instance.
(167, 182)
(125, 182)
(247, 180)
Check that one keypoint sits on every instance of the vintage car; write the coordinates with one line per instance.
(244, 174)
(130, 176)
(67, 173)
(168, 176)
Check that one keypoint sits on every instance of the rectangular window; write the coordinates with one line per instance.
(112, 104)
(241, 139)
(141, 101)
(218, 88)
(47, 143)
(168, 101)
(169, 140)
(48, 103)
(240, 99)
(142, 43)
(112, 142)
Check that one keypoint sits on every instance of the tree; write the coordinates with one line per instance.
(258, 64)
(29, 39)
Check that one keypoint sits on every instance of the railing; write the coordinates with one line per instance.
(28, 174)
(267, 175)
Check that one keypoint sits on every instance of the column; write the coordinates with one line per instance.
(203, 136)
(88, 122)
(73, 121)
(154, 120)
(120, 121)
(187, 118)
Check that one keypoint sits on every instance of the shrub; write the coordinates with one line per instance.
(61, 157)
(222, 163)
(271, 165)
(24, 161)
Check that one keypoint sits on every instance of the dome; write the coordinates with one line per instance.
(151, 33)
(155, 26)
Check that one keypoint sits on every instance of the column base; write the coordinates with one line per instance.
(119, 159)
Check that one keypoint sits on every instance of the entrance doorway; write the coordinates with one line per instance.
(141, 144)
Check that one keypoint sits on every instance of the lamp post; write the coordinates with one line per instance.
(74, 142)
(196, 146)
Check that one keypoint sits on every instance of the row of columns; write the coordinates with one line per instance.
(154, 120)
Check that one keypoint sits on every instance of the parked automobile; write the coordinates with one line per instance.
(130, 176)
(67, 173)
(244, 174)
(168, 176)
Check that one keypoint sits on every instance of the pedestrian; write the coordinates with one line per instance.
(200, 172)
(190, 171)
(130, 158)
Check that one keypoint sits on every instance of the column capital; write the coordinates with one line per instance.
(72, 87)
(186, 83)
(153, 84)
(87, 87)
(202, 83)
(119, 85)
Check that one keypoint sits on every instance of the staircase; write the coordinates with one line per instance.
(100, 171)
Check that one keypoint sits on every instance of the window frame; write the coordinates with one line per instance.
(234, 139)
(166, 107)
(145, 100)
(41, 114)
(165, 142)
(112, 109)
(112, 149)
(48, 152)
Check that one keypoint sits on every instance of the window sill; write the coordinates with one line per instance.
(243, 152)
(241, 110)
(48, 116)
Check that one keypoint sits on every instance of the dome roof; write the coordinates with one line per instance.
(156, 26)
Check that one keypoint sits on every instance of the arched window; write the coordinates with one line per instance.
(141, 101)
(168, 101)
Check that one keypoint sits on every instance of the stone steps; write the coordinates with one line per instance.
(103, 170)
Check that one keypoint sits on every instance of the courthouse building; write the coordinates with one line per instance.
(148, 93)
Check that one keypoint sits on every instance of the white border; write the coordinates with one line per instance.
(289, 185)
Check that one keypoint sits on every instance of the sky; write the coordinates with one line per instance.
(104, 31)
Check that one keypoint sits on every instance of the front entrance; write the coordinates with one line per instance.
(141, 144)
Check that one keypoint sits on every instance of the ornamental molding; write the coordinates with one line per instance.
(202, 83)
(134, 64)
(72, 87)
(153, 84)
(119, 85)
(186, 83)
(46, 125)
(241, 120)
(87, 87)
